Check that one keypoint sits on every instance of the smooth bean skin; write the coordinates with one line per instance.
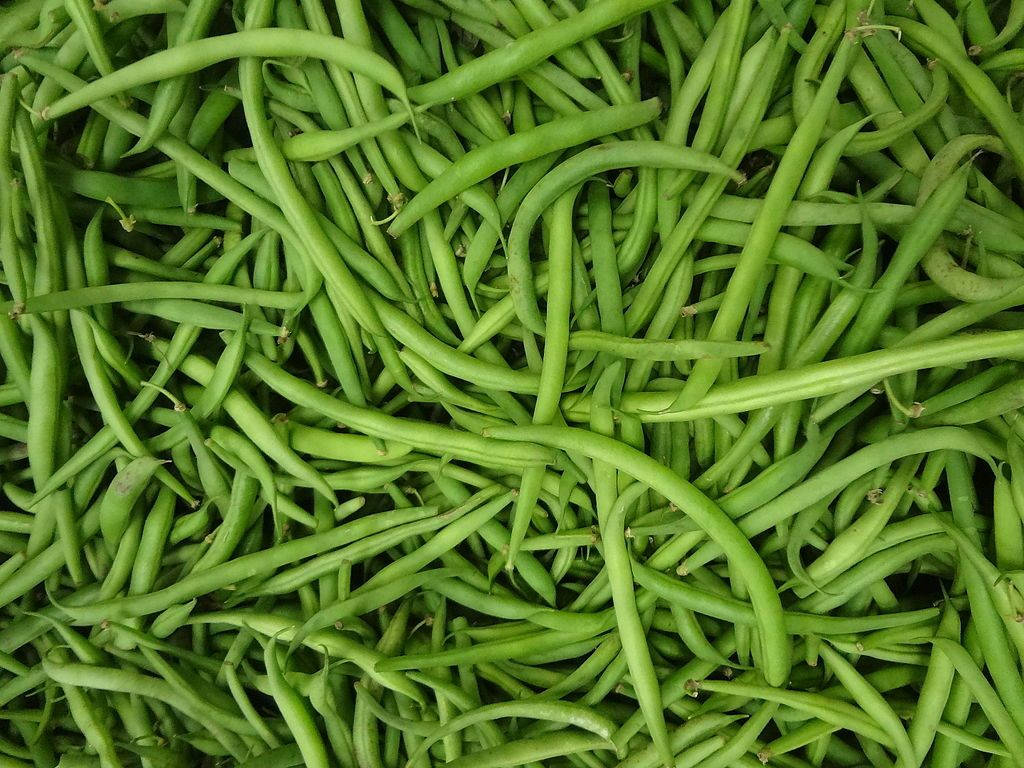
(982, 691)
(916, 242)
(872, 702)
(220, 576)
(576, 383)
(295, 712)
(776, 650)
(962, 284)
(478, 164)
(835, 711)
(978, 87)
(621, 346)
(883, 452)
(101, 678)
(453, 361)
(76, 298)
(342, 447)
(117, 503)
(737, 611)
(443, 439)
(629, 624)
(526, 51)
(817, 379)
(766, 227)
(171, 92)
(562, 712)
(198, 54)
(566, 176)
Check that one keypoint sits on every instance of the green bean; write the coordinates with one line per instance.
(479, 164)
(738, 745)
(872, 702)
(171, 91)
(817, 705)
(1000, 595)
(386, 427)
(322, 145)
(342, 447)
(553, 367)
(218, 387)
(650, 349)
(962, 284)
(333, 642)
(126, 488)
(560, 712)
(849, 546)
(225, 574)
(522, 646)
(126, 681)
(996, 402)
(76, 298)
(767, 225)
(778, 375)
(261, 432)
(293, 708)
(525, 52)
(706, 514)
(18, 17)
(452, 361)
(978, 88)
(510, 607)
(825, 482)
(198, 54)
(413, 521)
(935, 689)
(917, 240)
(729, 609)
(97, 734)
(723, 86)
(246, 707)
(84, 17)
(630, 626)
(533, 750)
(971, 740)
(995, 648)
(245, 456)
(981, 689)
(565, 177)
(334, 271)
(816, 379)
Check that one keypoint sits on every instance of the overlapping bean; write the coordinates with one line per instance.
(482, 383)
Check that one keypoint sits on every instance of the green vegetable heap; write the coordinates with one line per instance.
(511, 383)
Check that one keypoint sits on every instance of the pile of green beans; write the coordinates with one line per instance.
(511, 383)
